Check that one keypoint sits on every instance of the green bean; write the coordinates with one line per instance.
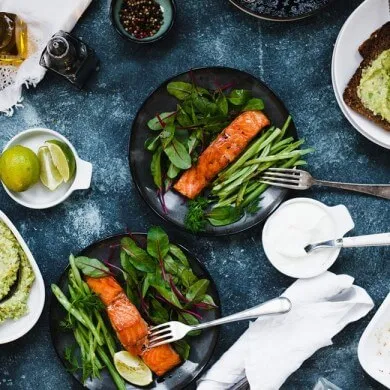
(119, 382)
(284, 128)
(280, 156)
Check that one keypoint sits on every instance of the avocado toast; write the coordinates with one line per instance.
(368, 91)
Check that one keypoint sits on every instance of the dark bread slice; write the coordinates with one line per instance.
(378, 42)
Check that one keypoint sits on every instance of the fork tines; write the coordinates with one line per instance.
(159, 335)
(282, 177)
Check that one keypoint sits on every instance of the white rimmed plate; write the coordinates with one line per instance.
(11, 330)
(367, 18)
(38, 196)
(374, 345)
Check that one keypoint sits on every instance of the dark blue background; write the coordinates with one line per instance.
(294, 59)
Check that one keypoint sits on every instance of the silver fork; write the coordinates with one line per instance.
(297, 179)
(174, 330)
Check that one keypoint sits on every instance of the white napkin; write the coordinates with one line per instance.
(43, 18)
(274, 347)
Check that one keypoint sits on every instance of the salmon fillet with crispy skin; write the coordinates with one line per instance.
(229, 144)
(130, 327)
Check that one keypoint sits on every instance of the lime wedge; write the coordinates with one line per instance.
(63, 158)
(132, 369)
(50, 177)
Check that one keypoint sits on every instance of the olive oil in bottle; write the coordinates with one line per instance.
(13, 39)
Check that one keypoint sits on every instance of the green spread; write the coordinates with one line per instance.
(14, 264)
(374, 87)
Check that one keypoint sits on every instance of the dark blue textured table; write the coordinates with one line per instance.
(294, 60)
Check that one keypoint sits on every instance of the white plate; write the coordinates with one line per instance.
(374, 345)
(367, 18)
(307, 268)
(11, 330)
(38, 196)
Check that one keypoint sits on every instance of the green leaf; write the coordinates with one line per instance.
(152, 143)
(193, 139)
(173, 171)
(145, 285)
(179, 254)
(254, 104)
(171, 266)
(188, 278)
(158, 313)
(155, 168)
(203, 105)
(222, 104)
(179, 89)
(167, 134)
(128, 268)
(157, 243)
(137, 256)
(91, 267)
(166, 117)
(197, 291)
(239, 96)
(168, 295)
(195, 219)
(182, 348)
(208, 300)
(183, 118)
(221, 216)
(178, 154)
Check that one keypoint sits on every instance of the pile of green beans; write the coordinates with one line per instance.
(97, 344)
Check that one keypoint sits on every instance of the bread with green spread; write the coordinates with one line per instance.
(368, 91)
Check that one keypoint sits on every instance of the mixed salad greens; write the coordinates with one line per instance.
(183, 134)
(158, 280)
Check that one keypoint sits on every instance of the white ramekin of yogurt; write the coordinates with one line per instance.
(297, 223)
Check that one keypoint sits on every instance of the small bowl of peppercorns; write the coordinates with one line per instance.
(143, 21)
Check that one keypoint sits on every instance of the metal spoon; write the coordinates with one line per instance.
(382, 239)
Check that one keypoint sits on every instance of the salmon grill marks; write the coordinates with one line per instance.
(130, 327)
(229, 144)
(163, 358)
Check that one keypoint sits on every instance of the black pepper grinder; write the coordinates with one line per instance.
(69, 57)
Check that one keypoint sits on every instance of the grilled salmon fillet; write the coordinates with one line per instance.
(229, 144)
(130, 327)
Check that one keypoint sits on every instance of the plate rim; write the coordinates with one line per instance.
(38, 282)
(52, 300)
(339, 98)
(281, 19)
(284, 192)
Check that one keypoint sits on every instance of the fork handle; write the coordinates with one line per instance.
(380, 190)
(369, 240)
(274, 306)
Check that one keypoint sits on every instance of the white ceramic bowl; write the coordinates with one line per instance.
(367, 18)
(11, 330)
(374, 345)
(38, 196)
(307, 268)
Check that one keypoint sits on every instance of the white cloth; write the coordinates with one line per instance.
(43, 18)
(274, 347)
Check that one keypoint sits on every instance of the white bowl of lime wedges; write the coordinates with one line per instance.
(61, 171)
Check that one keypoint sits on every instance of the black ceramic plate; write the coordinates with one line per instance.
(281, 10)
(202, 346)
(160, 101)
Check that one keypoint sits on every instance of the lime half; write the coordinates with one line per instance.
(50, 176)
(63, 158)
(132, 369)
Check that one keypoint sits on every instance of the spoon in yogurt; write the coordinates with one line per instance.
(382, 239)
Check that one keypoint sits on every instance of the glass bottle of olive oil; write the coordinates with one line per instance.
(13, 39)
